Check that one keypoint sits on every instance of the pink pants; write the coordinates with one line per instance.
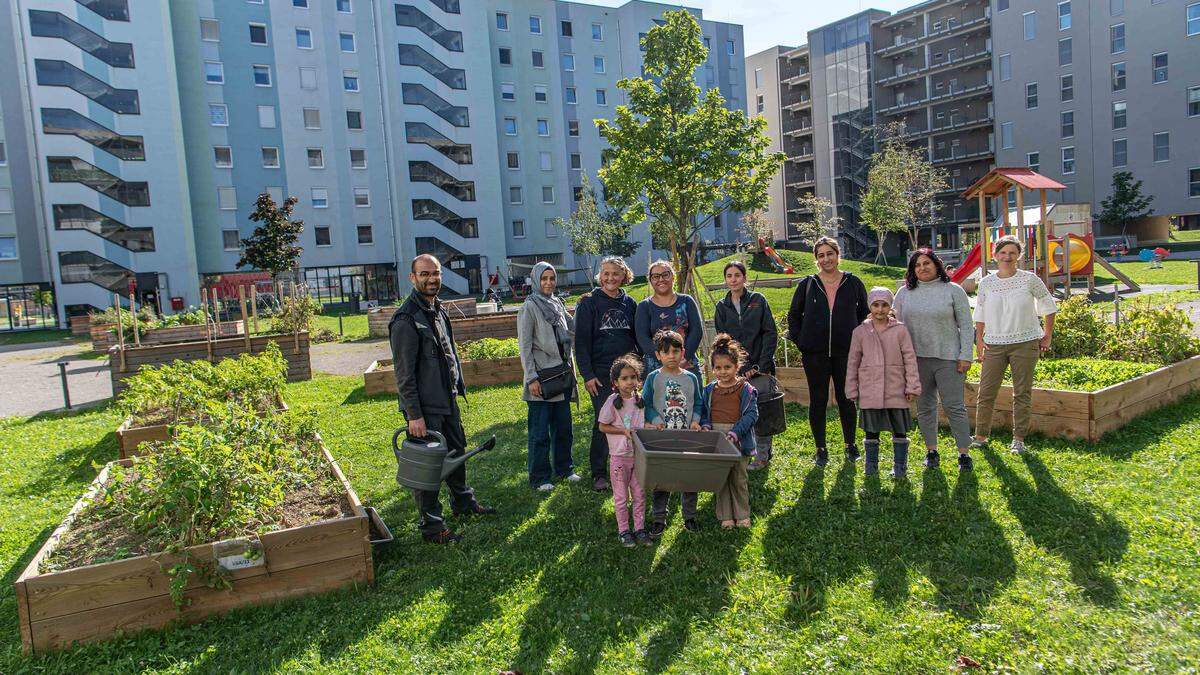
(625, 487)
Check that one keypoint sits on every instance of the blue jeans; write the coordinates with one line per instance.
(549, 428)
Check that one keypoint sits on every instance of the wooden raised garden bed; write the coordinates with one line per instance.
(105, 336)
(380, 376)
(131, 438)
(295, 348)
(80, 324)
(1077, 415)
(95, 602)
(378, 318)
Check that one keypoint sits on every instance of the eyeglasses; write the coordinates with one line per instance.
(659, 276)
(435, 274)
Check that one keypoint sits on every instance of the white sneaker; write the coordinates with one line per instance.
(574, 478)
(1017, 447)
(545, 487)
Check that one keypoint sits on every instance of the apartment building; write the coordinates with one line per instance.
(428, 126)
(765, 84)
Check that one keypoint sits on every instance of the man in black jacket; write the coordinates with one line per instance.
(428, 382)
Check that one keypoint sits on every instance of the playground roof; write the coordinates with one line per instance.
(998, 181)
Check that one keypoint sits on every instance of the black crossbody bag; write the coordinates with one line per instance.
(560, 379)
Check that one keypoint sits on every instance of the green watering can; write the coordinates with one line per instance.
(422, 463)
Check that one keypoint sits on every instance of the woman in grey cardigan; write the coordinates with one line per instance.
(938, 316)
(544, 337)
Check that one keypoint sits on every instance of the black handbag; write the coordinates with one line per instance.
(560, 379)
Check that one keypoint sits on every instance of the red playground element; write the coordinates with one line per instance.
(776, 261)
(969, 265)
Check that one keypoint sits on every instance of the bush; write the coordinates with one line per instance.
(295, 313)
(1078, 331)
(488, 348)
(1155, 335)
(1078, 374)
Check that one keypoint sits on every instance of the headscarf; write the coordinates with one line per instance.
(880, 293)
(550, 307)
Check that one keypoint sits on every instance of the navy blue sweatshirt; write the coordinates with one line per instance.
(682, 317)
(603, 331)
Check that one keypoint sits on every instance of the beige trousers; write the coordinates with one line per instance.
(732, 501)
(1022, 356)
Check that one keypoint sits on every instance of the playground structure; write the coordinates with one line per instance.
(1058, 239)
(777, 261)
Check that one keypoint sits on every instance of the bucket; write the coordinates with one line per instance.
(771, 418)
(683, 461)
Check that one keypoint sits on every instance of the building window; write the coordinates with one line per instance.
(1193, 101)
(551, 228)
(515, 196)
(8, 248)
(568, 62)
(1068, 161)
(262, 75)
(231, 240)
(1120, 152)
(540, 94)
(223, 156)
(510, 126)
(1119, 109)
(210, 30)
(218, 114)
(1116, 7)
(316, 158)
(573, 127)
(1116, 38)
(320, 198)
(1064, 15)
(346, 42)
(303, 4)
(1034, 160)
(543, 127)
(366, 235)
(730, 48)
(354, 120)
(343, 6)
(576, 161)
(758, 78)
(358, 158)
(266, 117)
(362, 197)
(6, 200)
(227, 199)
(1031, 95)
(1006, 135)
(570, 96)
(321, 236)
(3, 155)
(597, 31)
(505, 55)
(258, 34)
(1162, 146)
(304, 38)
(598, 65)
(1194, 182)
(1159, 65)
(547, 194)
(508, 91)
(214, 72)
(1064, 52)
(1118, 76)
(601, 97)
(759, 105)
(518, 229)
(1005, 67)
(1029, 24)
(544, 161)
(308, 77)
(350, 81)
(535, 25)
(270, 157)
(1001, 5)
(312, 118)
(1193, 19)
(514, 160)
(567, 29)
(1067, 124)
(1066, 88)
(538, 58)
(501, 21)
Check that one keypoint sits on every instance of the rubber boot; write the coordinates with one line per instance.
(900, 457)
(871, 466)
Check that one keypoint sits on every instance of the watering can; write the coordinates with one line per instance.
(423, 463)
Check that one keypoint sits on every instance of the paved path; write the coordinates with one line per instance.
(348, 358)
(31, 379)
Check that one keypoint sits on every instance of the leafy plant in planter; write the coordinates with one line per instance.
(1078, 374)
(1157, 335)
(488, 348)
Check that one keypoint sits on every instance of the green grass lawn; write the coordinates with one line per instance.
(1069, 558)
(1185, 235)
(22, 337)
(1172, 272)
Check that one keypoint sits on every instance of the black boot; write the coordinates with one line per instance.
(822, 457)
(871, 465)
(932, 459)
(965, 463)
(851, 453)
(900, 457)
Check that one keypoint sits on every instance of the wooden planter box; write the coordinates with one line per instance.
(683, 461)
(295, 350)
(1077, 415)
(378, 318)
(130, 438)
(80, 324)
(95, 602)
(380, 376)
(105, 337)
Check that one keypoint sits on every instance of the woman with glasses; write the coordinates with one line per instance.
(667, 309)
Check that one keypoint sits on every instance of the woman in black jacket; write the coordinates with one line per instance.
(746, 317)
(826, 308)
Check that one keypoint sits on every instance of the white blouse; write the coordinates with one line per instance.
(1010, 308)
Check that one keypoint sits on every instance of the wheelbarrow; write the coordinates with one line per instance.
(422, 464)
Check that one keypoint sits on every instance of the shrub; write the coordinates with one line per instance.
(1153, 335)
(1078, 374)
(1078, 331)
(295, 313)
(488, 348)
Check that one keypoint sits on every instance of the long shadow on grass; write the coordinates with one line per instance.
(72, 466)
(1086, 536)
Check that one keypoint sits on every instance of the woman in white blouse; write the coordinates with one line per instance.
(1007, 331)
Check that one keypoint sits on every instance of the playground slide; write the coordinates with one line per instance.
(969, 265)
(775, 259)
(1124, 278)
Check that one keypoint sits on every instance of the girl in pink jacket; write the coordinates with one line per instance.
(881, 376)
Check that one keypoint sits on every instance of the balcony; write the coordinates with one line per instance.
(419, 94)
(113, 10)
(953, 125)
(952, 94)
(419, 132)
(412, 55)
(425, 172)
(62, 121)
(796, 102)
(979, 56)
(81, 217)
(951, 27)
(797, 126)
(75, 170)
(407, 15)
(427, 209)
(85, 267)
(53, 73)
(55, 25)
(790, 74)
(961, 154)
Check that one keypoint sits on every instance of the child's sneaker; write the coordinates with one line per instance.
(932, 459)
(822, 457)
(691, 525)
(644, 538)
(657, 529)
(977, 444)
(852, 453)
(627, 539)
(1017, 446)
(965, 463)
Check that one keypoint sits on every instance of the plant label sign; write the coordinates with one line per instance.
(237, 554)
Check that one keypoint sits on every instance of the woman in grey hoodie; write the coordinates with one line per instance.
(938, 316)
(544, 337)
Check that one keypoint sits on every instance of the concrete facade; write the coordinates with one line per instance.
(763, 96)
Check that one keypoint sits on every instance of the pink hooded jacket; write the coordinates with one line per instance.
(882, 368)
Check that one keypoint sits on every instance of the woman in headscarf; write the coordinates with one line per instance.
(544, 336)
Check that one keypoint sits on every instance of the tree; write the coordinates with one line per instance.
(272, 247)
(676, 158)
(825, 220)
(590, 231)
(882, 207)
(910, 177)
(1126, 202)
(757, 228)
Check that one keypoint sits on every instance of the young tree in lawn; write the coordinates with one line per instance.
(1126, 203)
(882, 207)
(589, 230)
(757, 229)
(824, 220)
(676, 158)
(911, 173)
(273, 245)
